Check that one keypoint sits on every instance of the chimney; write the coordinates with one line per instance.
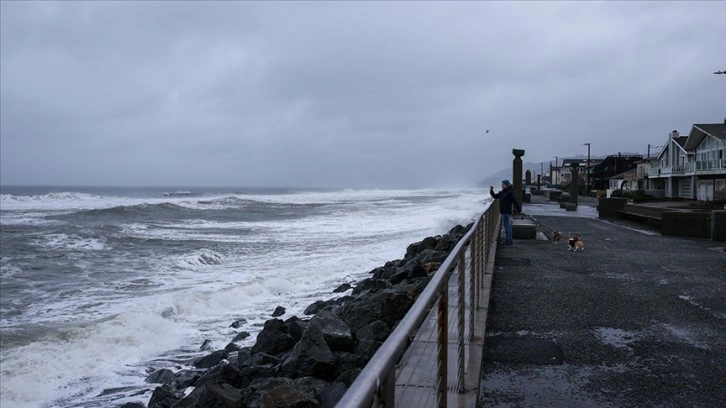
(674, 134)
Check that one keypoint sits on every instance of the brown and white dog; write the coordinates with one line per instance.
(575, 244)
(556, 237)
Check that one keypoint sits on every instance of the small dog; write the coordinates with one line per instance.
(556, 237)
(575, 244)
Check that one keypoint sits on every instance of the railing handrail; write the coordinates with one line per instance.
(362, 391)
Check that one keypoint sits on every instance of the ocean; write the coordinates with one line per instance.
(101, 286)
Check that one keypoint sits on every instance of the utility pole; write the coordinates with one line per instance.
(558, 173)
(587, 170)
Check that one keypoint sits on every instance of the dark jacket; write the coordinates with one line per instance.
(506, 200)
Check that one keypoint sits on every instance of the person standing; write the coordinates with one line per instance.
(506, 202)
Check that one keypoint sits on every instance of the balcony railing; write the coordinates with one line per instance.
(667, 171)
(690, 168)
(710, 165)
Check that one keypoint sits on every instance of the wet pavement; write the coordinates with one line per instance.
(635, 320)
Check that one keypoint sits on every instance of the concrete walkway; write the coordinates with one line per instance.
(636, 320)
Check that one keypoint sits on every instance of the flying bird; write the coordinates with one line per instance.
(487, 131)
(720, 72)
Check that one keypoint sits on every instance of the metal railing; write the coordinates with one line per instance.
(441, 327)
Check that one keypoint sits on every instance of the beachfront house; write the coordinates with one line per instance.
(612, 166)
(693, 167)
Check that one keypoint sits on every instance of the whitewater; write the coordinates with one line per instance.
(101, 286)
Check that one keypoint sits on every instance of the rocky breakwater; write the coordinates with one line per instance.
(311, 361)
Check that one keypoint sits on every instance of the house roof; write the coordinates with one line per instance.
(680, 142)
(700, 131)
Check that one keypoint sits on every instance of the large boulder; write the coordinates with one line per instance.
(371, 285)
(279, 311)
(285, 396)
(274, 338)
(388, 305)
(225, 374)
(211, 360)
(375, 331)
(431, 255)
(165, 396)
(446, 243)
(212, 395)
(335, 331)
(311, 356)
(163, 376)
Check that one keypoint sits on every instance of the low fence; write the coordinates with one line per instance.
(433, 356)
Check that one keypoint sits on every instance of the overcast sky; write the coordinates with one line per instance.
(343, 94)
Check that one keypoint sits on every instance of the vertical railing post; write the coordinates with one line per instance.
(388, 390)
(443, 343)
(473, 275)
(462, 319)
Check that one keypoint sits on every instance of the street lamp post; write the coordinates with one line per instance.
(587, 169)
(558, 172)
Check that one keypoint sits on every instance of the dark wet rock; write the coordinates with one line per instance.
(223, 374)
(241, 336)
(296, 327)
(388, 306)
(163, 376)
(342, 288)
(211, 360)
(371, 285)
(315, 307)
(279, 311)
(431, 255)
(331, 394)
(164, 396)
(367, 348)
(395, 263)
(335, 331)
(260, 359)
(206, 345)
(401, 274)
(431, 267)
(374, 331)
(331, 304)
(133, 405)
(231, 347)
(415, 286)
(243, 355)
(384, 272)
(212, 395)
(417, 247)
(311, 356)
(345, 361)
(186, 378)
(459, 230)
(347, 377)
(284, 396)
(446, 243)
(237, 324)
(252, 393)
(274, 338)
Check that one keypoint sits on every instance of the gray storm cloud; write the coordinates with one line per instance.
(339, 94)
